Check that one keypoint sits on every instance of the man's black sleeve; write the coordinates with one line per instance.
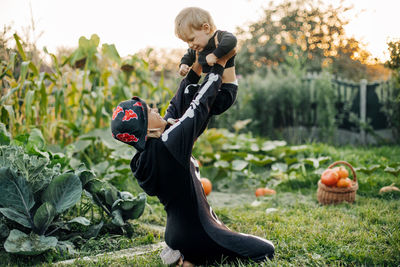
(183, 96)
(180, 137)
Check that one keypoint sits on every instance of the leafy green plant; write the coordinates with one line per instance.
(35, 210)
(120, 206)
(392, 107)
(34, 193)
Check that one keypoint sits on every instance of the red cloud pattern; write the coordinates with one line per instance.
(116, 111)
(127, 138)
(129, 114)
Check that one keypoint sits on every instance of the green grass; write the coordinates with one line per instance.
(305, 233)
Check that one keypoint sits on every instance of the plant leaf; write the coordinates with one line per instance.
(84, 174)
(44, 216)
(271, 145)
(279, 166)
(110, 51)
(94, 186)
(369, 169)
(20, 243)
(137, 209)
(4, 231)
(14, 192)
(394, 171)
(4, 135)
(93, 230)
(29, 97)
(36, 139)
(63, 192)
(239, 165)
(315, 162)
(117, 218)
(16, 216)
(221, 164)
(66, 247)
(19, 46)
(80, 220)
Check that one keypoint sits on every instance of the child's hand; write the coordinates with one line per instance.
(211, 59)
(183, 69)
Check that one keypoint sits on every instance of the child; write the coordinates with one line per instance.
(196, 27)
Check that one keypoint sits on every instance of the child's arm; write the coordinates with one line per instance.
(187, 60)
(226, 41)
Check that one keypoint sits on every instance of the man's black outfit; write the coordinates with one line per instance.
(167, 170)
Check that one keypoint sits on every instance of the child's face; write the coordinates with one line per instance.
(198, 39)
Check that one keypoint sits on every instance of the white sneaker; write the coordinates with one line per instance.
(169, 256)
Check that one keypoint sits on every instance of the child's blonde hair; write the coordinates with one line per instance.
(192, 18)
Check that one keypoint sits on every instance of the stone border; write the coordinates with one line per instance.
(127, 253)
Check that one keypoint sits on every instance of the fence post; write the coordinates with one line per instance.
(363, 109)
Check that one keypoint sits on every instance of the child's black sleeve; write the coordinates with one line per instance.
(189, 58)
(226, 42)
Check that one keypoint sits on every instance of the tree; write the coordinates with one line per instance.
(303, 29)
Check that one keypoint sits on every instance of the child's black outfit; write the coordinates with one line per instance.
(167, 170)
(226, 42)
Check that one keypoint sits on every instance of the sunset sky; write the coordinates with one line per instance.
(133, 25)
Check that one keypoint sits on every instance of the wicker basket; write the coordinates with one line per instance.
(333, 194)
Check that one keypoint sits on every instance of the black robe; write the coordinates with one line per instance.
(167, 170)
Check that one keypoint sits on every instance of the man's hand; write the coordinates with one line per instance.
(184, 69)
(211, 59)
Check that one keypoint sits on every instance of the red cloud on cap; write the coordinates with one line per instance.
(116, 111)
(129, 114)
(127, 138)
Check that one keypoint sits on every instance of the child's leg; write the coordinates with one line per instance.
(225, 98)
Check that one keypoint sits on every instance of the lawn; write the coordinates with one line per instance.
(305, 233)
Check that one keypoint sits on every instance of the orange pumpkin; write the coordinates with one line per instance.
(259, 192)
(329, 177)
(342, 172)
(207, 186)
(268, 191)
(344, 182)
(262, 191)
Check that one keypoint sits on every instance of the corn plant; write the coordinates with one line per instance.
(76, 94)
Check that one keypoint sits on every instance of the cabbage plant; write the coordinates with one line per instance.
(33, 193)
(35, 211)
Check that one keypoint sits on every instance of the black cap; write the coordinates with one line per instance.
(129, 123)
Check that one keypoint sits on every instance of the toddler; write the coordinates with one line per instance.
(196, 27)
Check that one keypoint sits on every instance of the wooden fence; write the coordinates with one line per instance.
(366, 101)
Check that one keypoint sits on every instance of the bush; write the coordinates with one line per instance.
(280, 99)
(393, 107)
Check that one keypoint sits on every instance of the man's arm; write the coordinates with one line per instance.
(180, 137)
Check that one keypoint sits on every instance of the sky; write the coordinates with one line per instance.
(133, 25)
